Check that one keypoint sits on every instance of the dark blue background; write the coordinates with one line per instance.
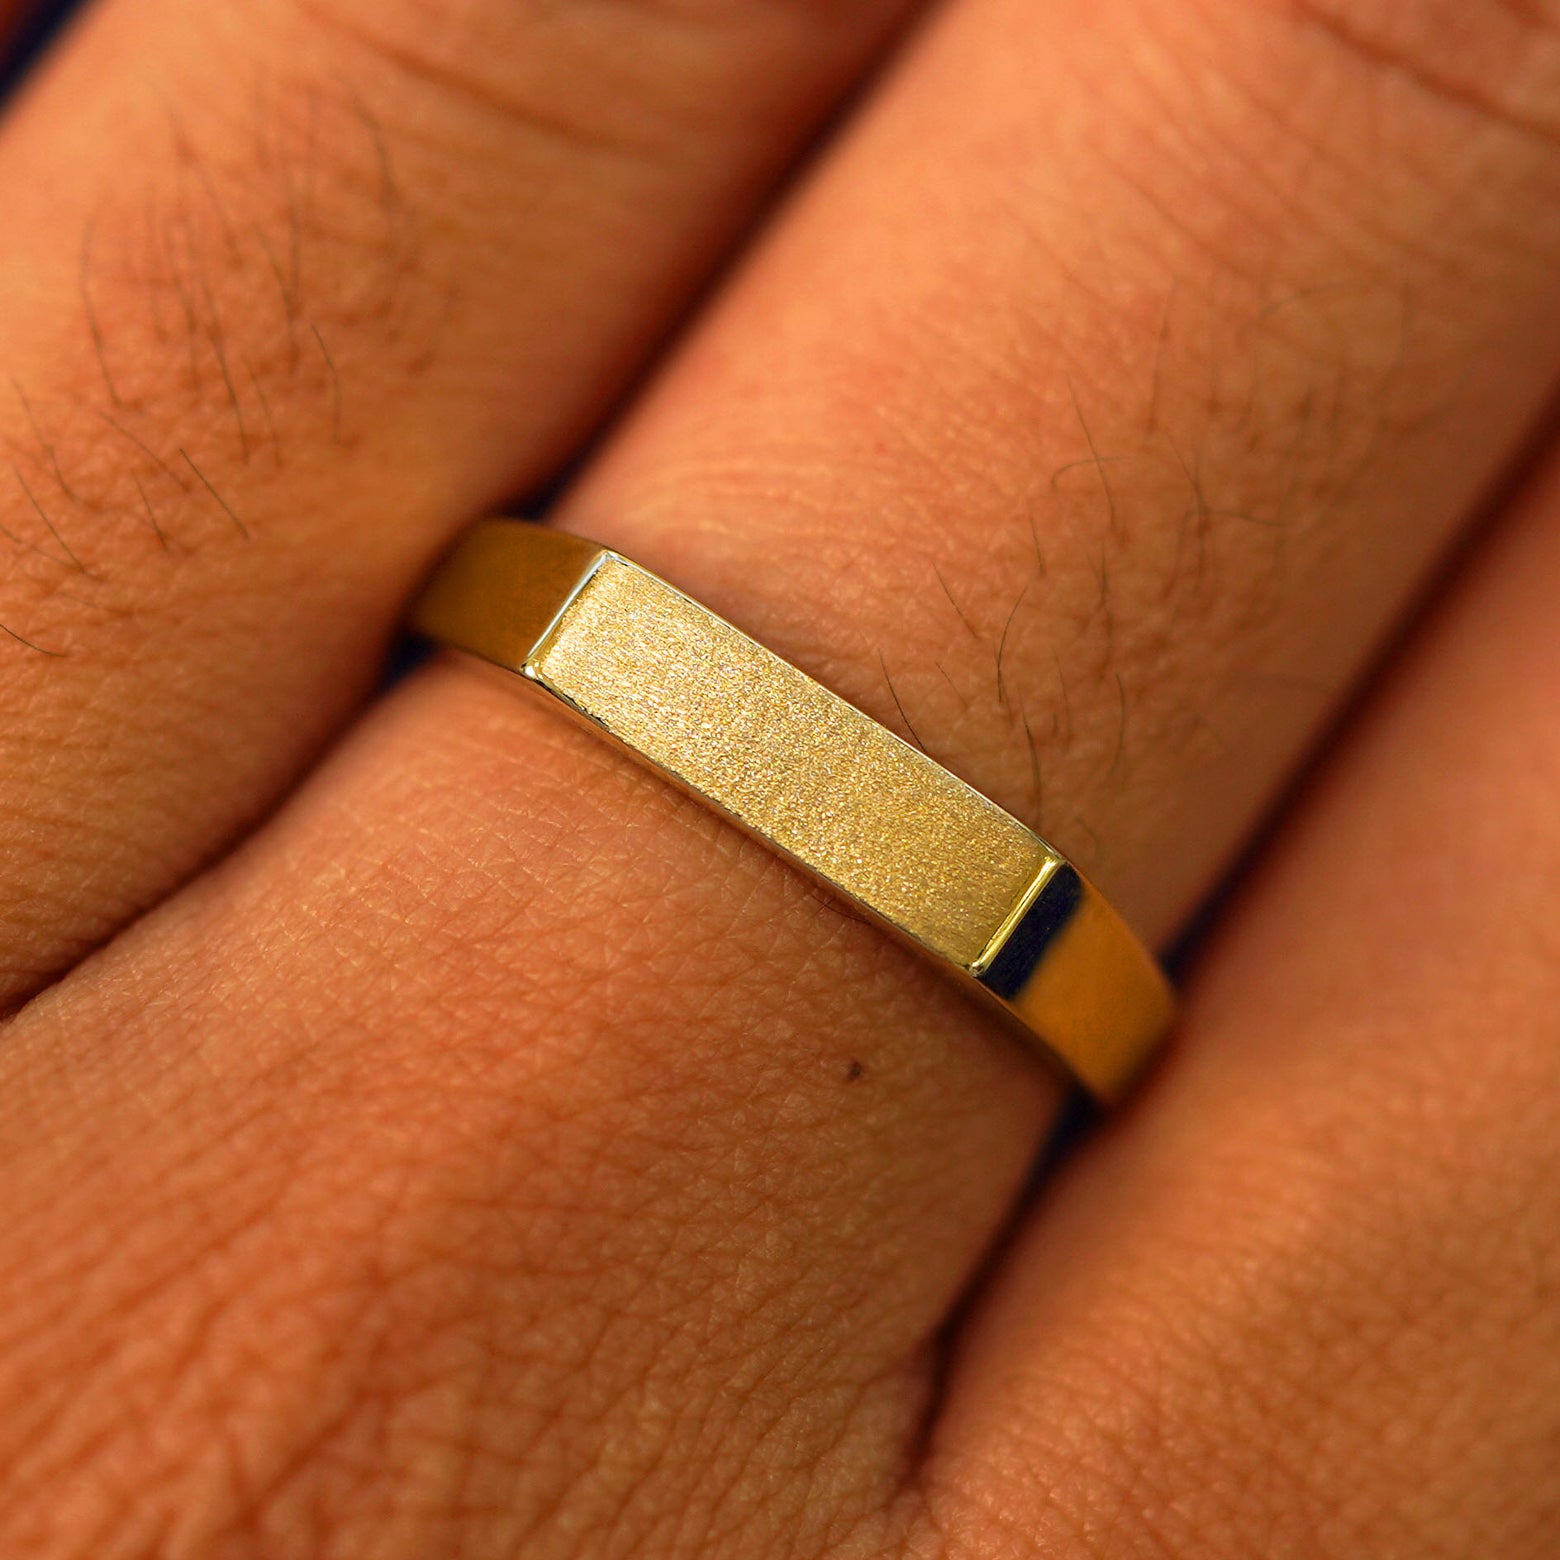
(39, 23)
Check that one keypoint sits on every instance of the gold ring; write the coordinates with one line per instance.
(814, 778)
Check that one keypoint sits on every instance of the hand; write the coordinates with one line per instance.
(424, 1134)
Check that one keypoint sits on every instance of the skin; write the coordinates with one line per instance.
(426, 1134)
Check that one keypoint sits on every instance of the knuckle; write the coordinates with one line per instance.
(225, 298)
(245, 1397)
(607, 81)
(1497, 59)
(480, 60)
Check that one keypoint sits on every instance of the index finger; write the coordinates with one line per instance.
(287, 290)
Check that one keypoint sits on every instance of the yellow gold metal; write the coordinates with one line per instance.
(813, 777)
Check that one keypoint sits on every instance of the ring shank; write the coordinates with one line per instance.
(813, 777)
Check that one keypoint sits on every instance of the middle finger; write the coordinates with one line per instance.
(1102, 406)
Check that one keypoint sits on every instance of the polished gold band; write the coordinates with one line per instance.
(814, 778)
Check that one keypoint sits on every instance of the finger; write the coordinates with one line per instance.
(289, 290)
(1108, 481)
(485, 1203)
(1303, 1302)
(720, 1159)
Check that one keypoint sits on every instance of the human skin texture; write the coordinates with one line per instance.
(425, 1133)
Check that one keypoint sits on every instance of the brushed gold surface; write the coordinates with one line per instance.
(498, 592)
(789, 760)
(815, 778)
